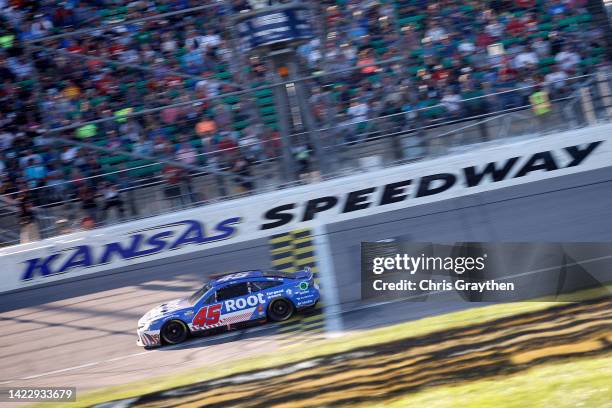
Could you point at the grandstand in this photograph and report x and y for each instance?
(149, 106)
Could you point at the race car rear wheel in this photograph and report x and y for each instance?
(174, 332)
(280, 309)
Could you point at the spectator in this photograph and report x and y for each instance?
(452, 103)
(540, 104)
(272, 144)
(302, 156)
(160, 146)
(69, 154)
(206, 127)
(210, 40)
(112, 199)
(227, 147)
(172, 189)
(567, 59)
(186, 154)
(55, 185)
(143, 147)
(242, 169)
(88, 223)
(35, 173)
(40, 26)
(556, 7)
(29, 158)
(358, 111)
(436, 32)
(555, 81)
(541, 46)
(87, 196)
(526, 59)
(171, 115)
(27, 221)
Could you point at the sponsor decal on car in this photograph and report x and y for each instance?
(207, 316)
(242, 303)
(275, 293)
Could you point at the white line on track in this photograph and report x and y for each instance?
(142, 353)
(63, 370)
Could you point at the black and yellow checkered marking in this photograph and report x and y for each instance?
(292, 252)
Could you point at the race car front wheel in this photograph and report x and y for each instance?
(174, 332)
(280, 309)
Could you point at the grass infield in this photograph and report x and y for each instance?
(584, 382)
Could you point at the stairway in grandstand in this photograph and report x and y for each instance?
(602, 19)
(264, 99)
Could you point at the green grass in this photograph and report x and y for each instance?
(581, 383)
(344, 343)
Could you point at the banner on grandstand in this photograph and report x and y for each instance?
(343, 199)
(274, 26)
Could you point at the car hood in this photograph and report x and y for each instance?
(165, 309)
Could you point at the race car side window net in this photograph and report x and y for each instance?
(232, 291)
(259, 286)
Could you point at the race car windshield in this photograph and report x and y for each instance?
(199, 293)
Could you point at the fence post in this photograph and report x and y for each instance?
(329, 285)
(604, 91)
(587, 105)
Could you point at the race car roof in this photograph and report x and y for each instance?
(224, 278)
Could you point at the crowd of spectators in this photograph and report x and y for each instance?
(51, 80)
(451, 54)
(446, 55)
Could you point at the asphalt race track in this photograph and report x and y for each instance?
(82, 333)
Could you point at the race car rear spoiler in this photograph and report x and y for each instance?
(306, 273)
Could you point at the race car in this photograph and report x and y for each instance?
(227, 302)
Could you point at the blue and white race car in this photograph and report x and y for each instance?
(229, 301)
